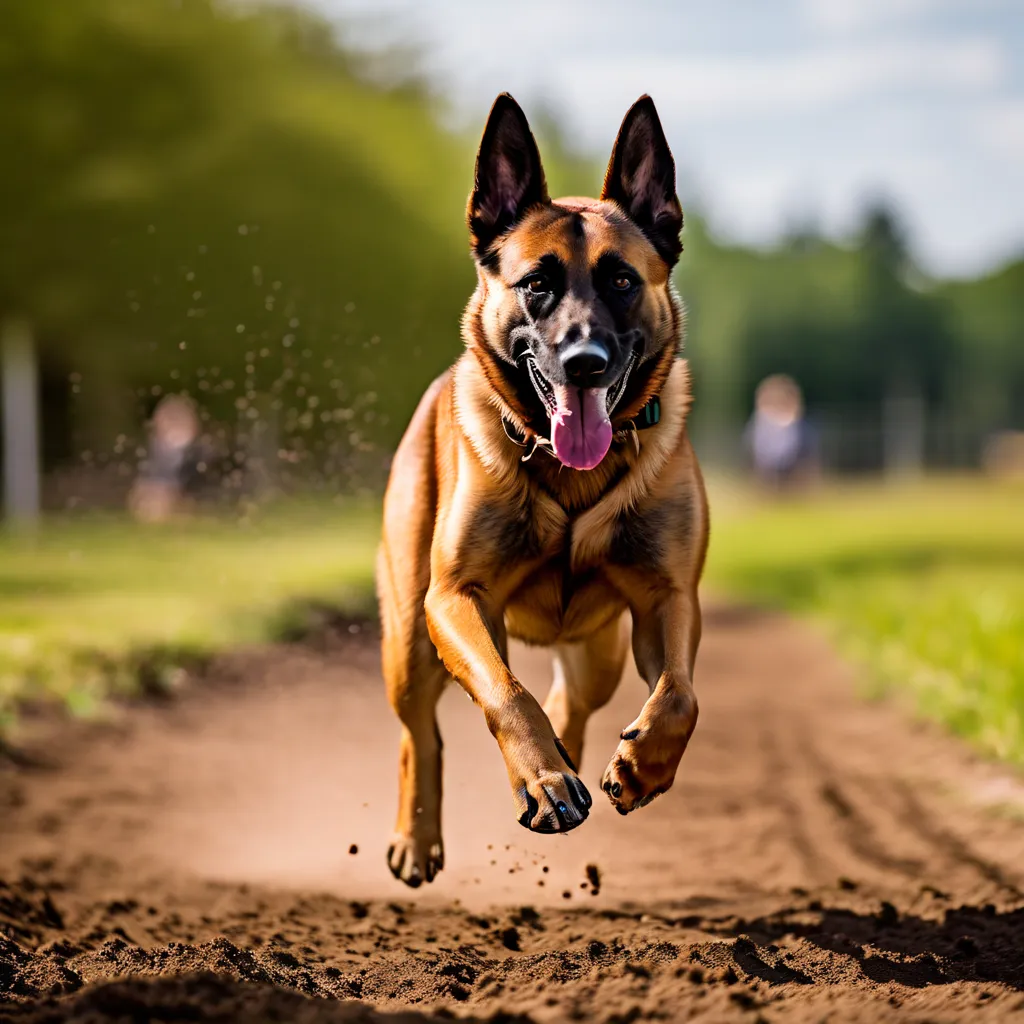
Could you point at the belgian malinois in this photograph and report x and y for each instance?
(546, 484)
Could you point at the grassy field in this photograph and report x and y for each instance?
(923, 584)
(96, 605)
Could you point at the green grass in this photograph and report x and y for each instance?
(922, 584)
(99, 605)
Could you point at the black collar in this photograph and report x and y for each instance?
(648, 416)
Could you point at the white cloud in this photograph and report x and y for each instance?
(843, 16)
(1000, 126)
(700, 88)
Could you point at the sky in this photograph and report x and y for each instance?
(782, 114)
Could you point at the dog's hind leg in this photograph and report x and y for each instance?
(415, 679)
(586, 675)
(413, 674)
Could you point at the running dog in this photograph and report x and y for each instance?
(545, 485)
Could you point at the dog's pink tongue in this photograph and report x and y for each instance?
(581, 431)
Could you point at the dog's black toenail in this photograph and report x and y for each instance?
(631, 735)
(582, 797)
(606, 785)
(565, 756)
(531, 809)
(616, 789)
(562, 809)
(622, 811)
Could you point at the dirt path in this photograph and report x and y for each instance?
(222, 858)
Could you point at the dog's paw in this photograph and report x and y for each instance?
(547, 792)
(630, 786)
(415, 861)
(552, 802)
(644, 763)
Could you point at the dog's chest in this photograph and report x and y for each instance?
(561, 601)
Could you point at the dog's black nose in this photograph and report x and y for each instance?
(584, 362)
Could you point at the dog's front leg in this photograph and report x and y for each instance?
(666, 632)
(469, 635)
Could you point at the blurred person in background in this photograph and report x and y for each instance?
(1003, 454)
(160, 491)
(779, 438)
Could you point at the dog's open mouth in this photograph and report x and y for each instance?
(581, 425)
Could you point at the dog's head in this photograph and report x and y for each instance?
(574, 319)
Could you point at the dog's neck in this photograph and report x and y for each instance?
(634, 460)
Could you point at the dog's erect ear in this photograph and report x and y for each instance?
(509, 178)
(641, 178)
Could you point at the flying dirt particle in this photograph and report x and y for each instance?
(583, 885)
(541, 883)
(545, 869)
(353, 849)
(594, 878)
(510, 939)
(566, 895)
(888, 915)
(847, 884)
(528, 916)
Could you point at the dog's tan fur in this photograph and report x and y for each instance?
(479, 545)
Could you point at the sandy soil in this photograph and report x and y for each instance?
(220, 857)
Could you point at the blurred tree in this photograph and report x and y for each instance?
(219, 199)
(858, 327)
(207, 198)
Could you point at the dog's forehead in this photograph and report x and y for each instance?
(577, 230)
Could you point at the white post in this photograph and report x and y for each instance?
(20, 422)
(904, 432)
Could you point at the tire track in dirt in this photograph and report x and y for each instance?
(220, 857)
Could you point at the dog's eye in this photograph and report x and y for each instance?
(622, 282)
(537, 284)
